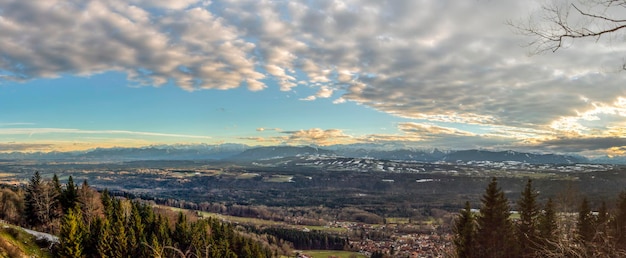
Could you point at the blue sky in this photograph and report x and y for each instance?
(77, 75)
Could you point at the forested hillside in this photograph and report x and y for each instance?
(93, 224)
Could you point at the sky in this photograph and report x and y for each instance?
(78, 75)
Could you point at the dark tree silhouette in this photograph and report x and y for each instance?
(495, 233)
(527, 225)
(465, 232)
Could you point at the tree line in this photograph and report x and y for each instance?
(305, 240)
(540, 230)
(93, 224)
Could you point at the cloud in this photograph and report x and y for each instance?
(34, 131)
(407, 58)
(263, 129)
(317, 136)
(429, 130)
(188, 46)
(313, 136)
(565, 144)
(19, 147)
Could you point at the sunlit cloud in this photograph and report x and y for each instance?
(36, 131)
(263, 129)
(409, 59)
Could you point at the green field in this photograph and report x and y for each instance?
(331, 253)
(397, 220)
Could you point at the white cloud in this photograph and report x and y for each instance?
(408, 58)
(34, 131)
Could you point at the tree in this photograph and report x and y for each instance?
(572, 20)
(465, 231)
(90, 203)
(547, 224)
(41, 203)
(32, 207)
(11, 205)
(585, 225)
(495, 232)
(57, 184)
(104, 244)
(602, 221)
(182, 233)
(619, 222)
(72, 234)
(69, 196)
(527, 225)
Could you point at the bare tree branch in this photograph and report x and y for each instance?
(555, 24)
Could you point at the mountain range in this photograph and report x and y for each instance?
(244, 153)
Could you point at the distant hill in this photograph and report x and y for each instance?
(400, 154)
(262, 153)
(239, 152)
(166, 152)
(483, 155)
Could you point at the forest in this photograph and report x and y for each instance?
(93, 224)
(539, 230)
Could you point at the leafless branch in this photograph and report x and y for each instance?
(554, 25)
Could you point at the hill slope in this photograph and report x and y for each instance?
(16, 242)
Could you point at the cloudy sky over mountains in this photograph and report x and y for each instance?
(446, 74)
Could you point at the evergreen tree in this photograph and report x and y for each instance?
(57, 185)
(182, 235)
(69, 196)
(602, 221)
(119, 231)
(547, 224)
(619, 223)
(107, 204)
(32, 203)
(585, 225)
(72, 234)
(495, 233)
(57, 192)
(137, 227)
(105, 240)
(93, 236)
(527, 225)
(464, 230)
(41, 205)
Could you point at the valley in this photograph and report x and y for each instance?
(398, 206)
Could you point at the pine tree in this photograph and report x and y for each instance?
(527, 225)
(72, 234)
(602, 221)
(40, 203)
(69, 196)
(137, 227)
(119, 231)
(619, 223)
(182, 235)
(57, 190)
(464, 230)
(585, 225)
(495, 233)
(57, 185)
(107, 204)
(91, 242)
(105, 240)
(547, 224)
(32, 203)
